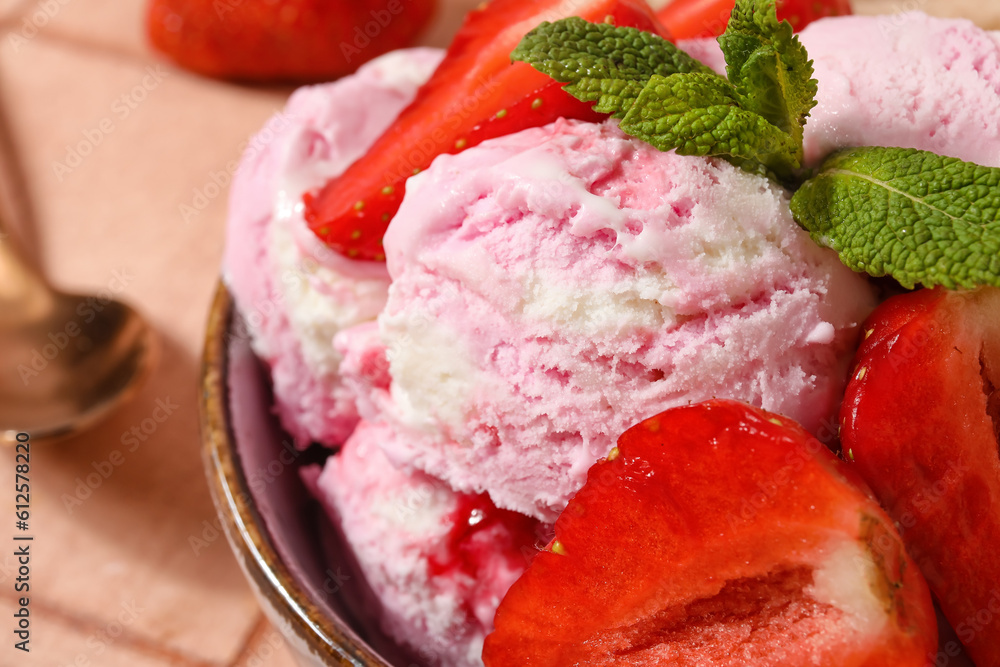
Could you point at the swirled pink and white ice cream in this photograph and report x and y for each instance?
(293, 292)
(453, 555)
(553, 287)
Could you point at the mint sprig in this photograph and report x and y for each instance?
(919, 217)
(916, 216)
(672, 101)
(769, 67)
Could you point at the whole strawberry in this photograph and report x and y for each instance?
(289, 40)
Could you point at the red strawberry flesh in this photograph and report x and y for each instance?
(719, 535)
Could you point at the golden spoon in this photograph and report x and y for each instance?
(65, 360)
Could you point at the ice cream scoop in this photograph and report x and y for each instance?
(552, 287)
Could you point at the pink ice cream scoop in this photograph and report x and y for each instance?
(295, 294)
(553, 287)
(438, 561)
(912, 81)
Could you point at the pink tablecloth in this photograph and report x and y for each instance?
(126, 162)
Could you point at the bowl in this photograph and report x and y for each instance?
(295, 560)
(292, 556)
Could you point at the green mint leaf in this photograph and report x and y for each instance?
(916, 216)
(613, 96)
(699, 114)
(598, 60)
(769, 67)
(679, 93)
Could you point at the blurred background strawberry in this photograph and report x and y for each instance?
(282, 40)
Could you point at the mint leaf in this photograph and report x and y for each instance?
(699, 114)
(916, 216)
(601, 62)
(769, 67)
(613, 96)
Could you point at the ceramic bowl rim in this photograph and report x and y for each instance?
(328, 638)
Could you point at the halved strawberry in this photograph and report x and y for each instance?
(475, 94)
(686, 19)
(297, 40)
(718, 534)
(921, 422)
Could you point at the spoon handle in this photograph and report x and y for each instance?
(23, 292)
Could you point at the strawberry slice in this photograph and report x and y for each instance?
(294, 40)
(921, 421)
(686, 19)
(475, 94)
(718, 534)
